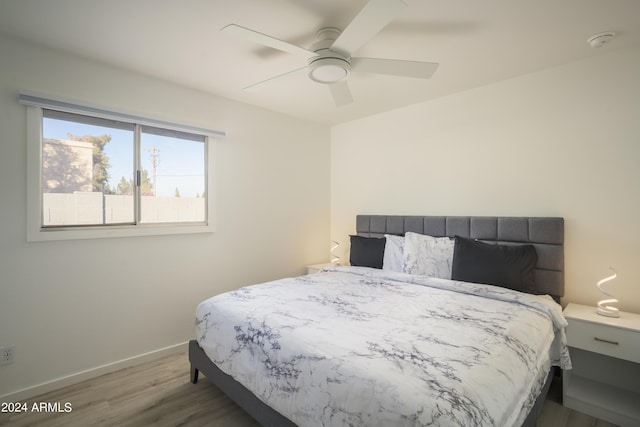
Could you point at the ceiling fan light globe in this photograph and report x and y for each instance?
(329, 70)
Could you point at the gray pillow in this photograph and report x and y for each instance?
(509, 266)
(366, 251)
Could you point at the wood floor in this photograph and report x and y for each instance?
(159, 394)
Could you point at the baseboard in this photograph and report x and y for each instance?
(29, 392)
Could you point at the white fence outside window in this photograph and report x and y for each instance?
(94, 208)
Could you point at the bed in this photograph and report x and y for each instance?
(364, 345)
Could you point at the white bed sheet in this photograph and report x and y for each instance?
(366, 347)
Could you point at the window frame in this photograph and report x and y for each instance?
(36, 231)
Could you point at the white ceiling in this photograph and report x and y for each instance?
(475, 42)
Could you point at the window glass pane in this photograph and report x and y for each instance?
(87, 170)
(173, 180)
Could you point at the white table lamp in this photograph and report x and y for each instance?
(603, 308)
(335, 259)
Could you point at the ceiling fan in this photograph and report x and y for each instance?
(329, 59)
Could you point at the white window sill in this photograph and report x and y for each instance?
(53, 234)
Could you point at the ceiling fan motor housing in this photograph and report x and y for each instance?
(329, 66)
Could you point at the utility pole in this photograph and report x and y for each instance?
(155, 154)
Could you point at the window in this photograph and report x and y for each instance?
(104, 174)
(85, 161)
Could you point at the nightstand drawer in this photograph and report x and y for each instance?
(604, 339)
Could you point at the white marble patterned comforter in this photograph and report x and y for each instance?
(363, 347)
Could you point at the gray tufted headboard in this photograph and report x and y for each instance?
(545, 233)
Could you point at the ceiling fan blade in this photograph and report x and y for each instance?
(341, 93)
(368, 22)
(263, 39)
(278, 77)
(394, 67)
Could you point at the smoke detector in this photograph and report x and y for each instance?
(601, 39)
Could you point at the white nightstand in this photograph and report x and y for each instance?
(605, 353)
(317, 268)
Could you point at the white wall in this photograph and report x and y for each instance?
(560, 142)
(71, 306)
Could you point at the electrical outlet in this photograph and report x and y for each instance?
(7, 353)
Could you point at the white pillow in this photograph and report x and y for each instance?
(393, 259)
(428, 255)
